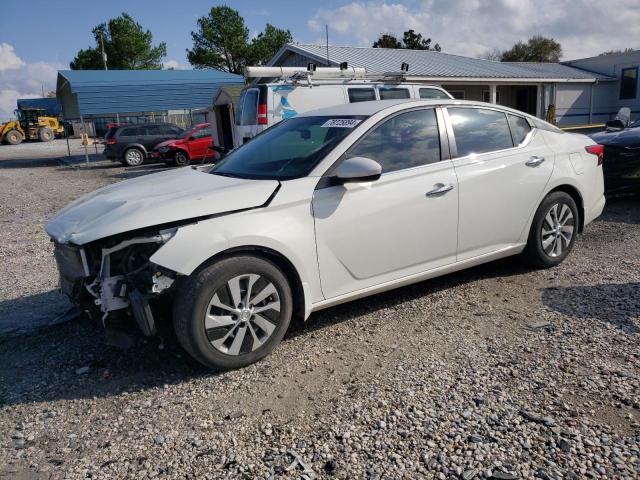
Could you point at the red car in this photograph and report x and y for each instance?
(194, 144)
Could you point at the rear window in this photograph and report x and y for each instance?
(249, 114)
(110, 133)
(432, 93)
(393, 93)
(361, 94)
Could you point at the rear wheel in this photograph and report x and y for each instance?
(181, 158)
(13, 137)
(553, 231)
(133, 157)
(234, 312)
(45, 134)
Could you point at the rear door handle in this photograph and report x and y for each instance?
(534, 161)
(440, 189)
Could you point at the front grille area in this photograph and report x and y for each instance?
(70, 267)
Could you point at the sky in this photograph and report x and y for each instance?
(32, 52)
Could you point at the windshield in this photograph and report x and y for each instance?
(289, 149)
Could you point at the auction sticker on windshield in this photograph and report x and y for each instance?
(341, 123)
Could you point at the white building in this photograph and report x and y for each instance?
(583, 91)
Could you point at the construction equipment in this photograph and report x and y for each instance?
(31, 124)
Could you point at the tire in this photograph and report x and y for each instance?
(45, 134)
(133, 157)
(13, 137)
(181, 158)
(235, 337)
(553, 231)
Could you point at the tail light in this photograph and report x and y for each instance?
(596, 150)
(262, 114)
(110, 141)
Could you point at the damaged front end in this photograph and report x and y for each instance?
(113, 277)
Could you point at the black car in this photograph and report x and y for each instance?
(131, 144)
(621, 167)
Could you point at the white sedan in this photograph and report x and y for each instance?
(320, 209)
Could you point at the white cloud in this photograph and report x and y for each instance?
(23, 80)
(176, 65)
(8, 58)
(473, 27)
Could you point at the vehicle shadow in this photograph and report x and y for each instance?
(53, 355)
(622, 209)
(614, 303)
(28, 162)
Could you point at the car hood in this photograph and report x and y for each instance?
(172, 196)
(629, 137)
(166, 143)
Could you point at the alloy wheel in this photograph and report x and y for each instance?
(557, 230)
(242, 314)
(134, 157)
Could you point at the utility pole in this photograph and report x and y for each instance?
(104, 55)
(326, 29)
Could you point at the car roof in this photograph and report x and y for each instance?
(375, 106)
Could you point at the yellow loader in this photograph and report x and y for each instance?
(31, 124)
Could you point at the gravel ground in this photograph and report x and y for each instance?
(496, 372)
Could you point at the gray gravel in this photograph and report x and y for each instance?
(496, 372)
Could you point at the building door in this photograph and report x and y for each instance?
(526, 98)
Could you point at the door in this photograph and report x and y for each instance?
(402, 224)
(502, 168)
(200, 144)
(151, 136)
(247, 115)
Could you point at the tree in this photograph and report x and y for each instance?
(267, 44)
(387, 40)
(410, 40)
(537, 49)
(222, 42)
(613, 52)
(414, 41)
(126, 44)
(494, 55)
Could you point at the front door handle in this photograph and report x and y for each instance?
(440, 189)
(534, 161)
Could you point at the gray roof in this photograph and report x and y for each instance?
(433, 64)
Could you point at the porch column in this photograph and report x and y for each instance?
(539, 101)
(493, 94)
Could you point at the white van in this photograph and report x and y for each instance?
(265, 104)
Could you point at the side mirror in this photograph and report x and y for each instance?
(614, 125)
(358, 169)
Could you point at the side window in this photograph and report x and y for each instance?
(479, 130)
(407, 140)
(392, 93)
(204, 132)
(175, 131)
(250, 108)
(519, 128)
(432, 93)
(361, 94)
(130, 132)
(152, 130)
(629, 83)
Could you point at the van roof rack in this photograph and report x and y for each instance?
(322, 75)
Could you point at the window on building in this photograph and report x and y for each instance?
(486, 96)
(479, 130)
(432, 93)
(361, 94)
(520, 128)
(407, 140)
(393, 93)
(629, 83)
(457, 94)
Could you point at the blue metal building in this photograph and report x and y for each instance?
(131, 96)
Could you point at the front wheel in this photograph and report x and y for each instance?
(553, 231)
(233, 312)
(181, 158)
(13, 137)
